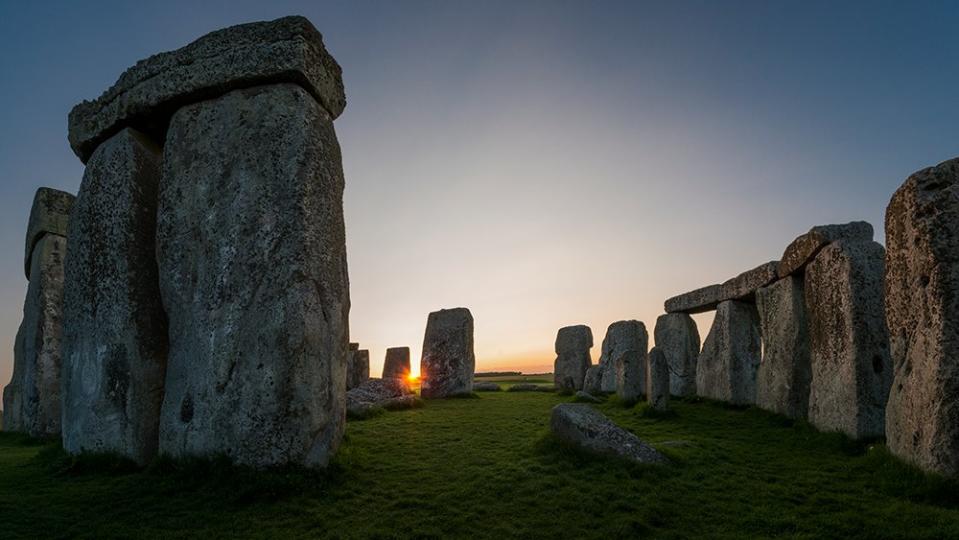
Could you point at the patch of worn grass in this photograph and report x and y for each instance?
(488, 468)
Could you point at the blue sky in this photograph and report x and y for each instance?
(543, 163)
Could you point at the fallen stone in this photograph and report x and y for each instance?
(115, 332)
(252, 263)
(849, 345)
(803, 249)
(622, 336)
(572, 357)
(582, 396)
(357, 368)
(485, 386)
(657, 378)
(726, 370)
(525, 387)
(447, 363)
(397, 363)
(782, 380)
(363, 409)
(922, 310)
(581, 426)
(146, 96)
(677, 337)
(50, 214)
(741, 287)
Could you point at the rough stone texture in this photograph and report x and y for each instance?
(397, 363)
(376, 393)
(354, 346)
(726, 369)
(657, 377)
(741, 287)
(677, 337)
(922, 310)
(586, 397)
(50, 213)
(447, 363)
(631, 374)
(803, 249)
(32, 399)
(782, 380)
(593, 382)
(357, 368)
(359, 410)
(252, 258)
(286, 50)
(572, 357)
(622, 336)
(580, 425)
(530, 387)
(849, 345)
(115, 332)
(486, 386)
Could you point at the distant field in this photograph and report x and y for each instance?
(486, 468)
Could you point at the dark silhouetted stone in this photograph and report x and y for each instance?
(677, 337)
(572, 357)
(448, 362)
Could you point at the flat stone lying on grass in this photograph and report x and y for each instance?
(362, 409)
(572, 357)
(803, 249)
(378, 393)
(448, 361)
(580, 425)
(741, 287)
(486, 386)
(530, 387)
(585, 397)
(726, 370)
(678, 338)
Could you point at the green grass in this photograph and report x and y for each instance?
(487, 468)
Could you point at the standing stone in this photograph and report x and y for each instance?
(593, 382)
(397, 363)
(631, 375)
(657, 393)
(354, 346)
(447, 363)
(252, 257)
(782, 382)
(922, 310)
(677, 337)
(851, 368)
(622, 336)
(726, 369)
(115, 332)
(31, 402)
(357, 368)
(572, 357)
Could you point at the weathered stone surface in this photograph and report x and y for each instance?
(378, 393)
(622, 336)
(741, 287)
(849, 345)
(593, 382)
(32, 400)
(50, 213)
(357, 368)
(580, 425)
(286, 50)
(360, 409)
(631, 374)
(397, 363)
(726, 369)
(572, 357)
(252, 258)
(354, 346)
(582, 396)
(803, 249)
(447, 363)
(782, 380)
(922, 310)
(530, 387)
(485, 386)
(657, 378)
(677, 337)
(115, 332)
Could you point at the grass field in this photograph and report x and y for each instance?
(487, 468)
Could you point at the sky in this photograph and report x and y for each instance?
(541, 163)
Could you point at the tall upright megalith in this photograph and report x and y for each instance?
(782, 380)
(31, 402)
(448, 361)
(115, 332)
(572, 357)
(922, 311)
(396, 365)
(849, 346)
(657, 380)
(622, 336)
(357, 368)
(677, 338)
(726, 369)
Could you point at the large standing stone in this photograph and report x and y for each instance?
(357, 368)
(782, 381)
(803, 249)
(252, 258)
(286, 50)
(622, 336)
(572, 357)
(657, 379)
(447, 363)
(397, 363)
(677, 337)
(31, 402)
(851, 369)
(582, 426)
(115, 332)
(922, 310)
(726, 369)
